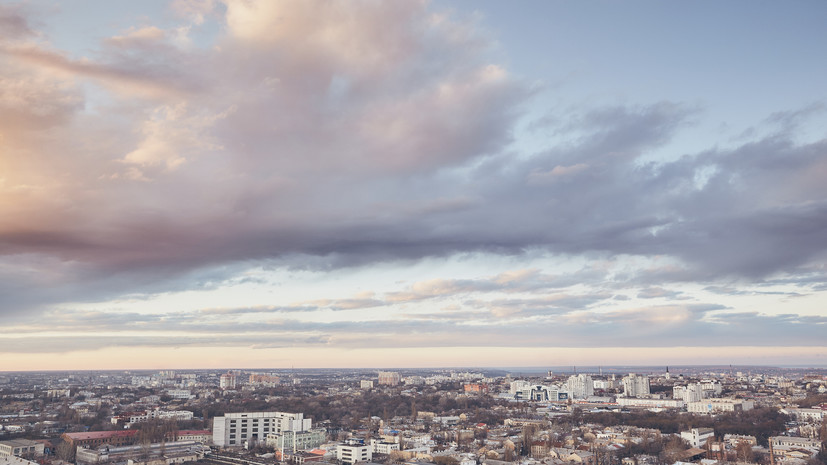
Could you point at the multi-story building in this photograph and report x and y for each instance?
(234, 429)
(720, 405)
(697, 437)
(296, 440)
(183, 394)
(264, 380)
(227, 381)
(168, 453)
(353, 451)
(689, 393)
(635, 386)
(383, 447)
(389, 378)
(580, 386)
(366, 384)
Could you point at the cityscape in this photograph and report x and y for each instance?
(587, 416)
(413, 232)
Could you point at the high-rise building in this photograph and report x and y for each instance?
(580, 386)
(227, 381)
(635, 386)
(234, 429)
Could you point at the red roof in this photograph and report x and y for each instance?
(100, 434)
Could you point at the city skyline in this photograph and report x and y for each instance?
(323, 184)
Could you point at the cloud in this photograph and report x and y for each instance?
(312, 135)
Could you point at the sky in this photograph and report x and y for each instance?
(276, 184)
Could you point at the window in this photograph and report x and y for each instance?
(232, 430)
(255, 430)
(232, 436)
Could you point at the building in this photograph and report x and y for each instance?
(697, 437)
(635, 386)
(650, 403)
(157, 454)
(21, 447)
(791, 449)
(227, 381)
(234, 429)
(383, 447)
(539, 393)
(689, 393)
(201, 436)
(264, 380)
(720, 405)
(100, 438)
(389, 378)
(353, 451)
(293, 441)
(366, 384)
(182, 394)
(13, 460)
(476, 387)
(580, 386)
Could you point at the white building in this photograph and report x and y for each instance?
(366, 384)
(297, 440)
(649, 403)
(635, 386)
(580, 386)
(179, 393)
(383, 447)
(689, 393)
(353, 451)
(697, 437)
(518, 385)
(720, 405)
(234, 429)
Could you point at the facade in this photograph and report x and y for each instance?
(580, 386)
(297, 440)
(100, 438)
(389, 378)
(353, 451)
(162, 453)
(720, 405)
(20, 447)
(366, 384)
(264, 380)
(234, 429)
(689, 393)
(649, 403)
(475, 387)
(635, 386)
(382, 447)
(227, 381)
(697, 437)
(202, 436)
(539, 393)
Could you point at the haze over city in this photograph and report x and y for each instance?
(220, 184)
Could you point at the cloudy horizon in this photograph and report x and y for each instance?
(200, 183)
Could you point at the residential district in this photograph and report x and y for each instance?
(700, 415)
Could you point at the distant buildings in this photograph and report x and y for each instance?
(366, 384)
